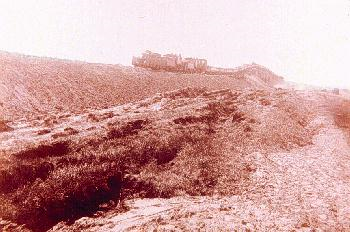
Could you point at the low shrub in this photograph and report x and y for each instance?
(66, 132)
(220, 108)
(127, 129)
(50, 121)
(265, 102)
(107, 115)
(43, 131)
(185, 93)
(20, 175)
(93, 118)
(138, 159)
(341, 114)
(57, 148)
(68, 193)
(238, 117)
(4, 127)
(71, 131)
(195, 171)
(194, 119)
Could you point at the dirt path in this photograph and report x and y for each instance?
(309, 187)
(306, 189)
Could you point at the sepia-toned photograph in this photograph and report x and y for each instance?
(174, 115)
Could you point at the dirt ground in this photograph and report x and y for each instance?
(305, 189)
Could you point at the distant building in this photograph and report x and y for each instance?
(170, 62)
(336, 91)
(175, 63)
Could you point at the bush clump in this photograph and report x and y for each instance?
(58, 148)
(4, 127)
(20, 175)
(167, 157)
(67, 194)
(130, 128)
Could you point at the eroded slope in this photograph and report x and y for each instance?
(185, 142)
(30, 86)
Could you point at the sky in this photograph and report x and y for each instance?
(306, 41)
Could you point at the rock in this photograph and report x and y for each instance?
(8, 226)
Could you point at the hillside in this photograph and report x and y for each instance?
(222, 149)
(30, 86)
(96, 147)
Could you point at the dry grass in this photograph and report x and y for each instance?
(342, 114)
(197, 145)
